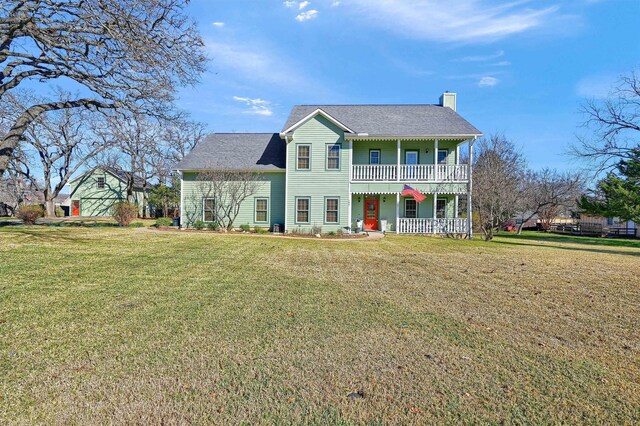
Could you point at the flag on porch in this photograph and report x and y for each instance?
(417, 195)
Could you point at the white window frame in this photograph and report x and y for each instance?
(379, 156)
(204, 209)
(266, 210)
(328, 149)
(337, 210)
(104, 182)
(446, 156)
(405, 208)
(308, 210)
(308, 157)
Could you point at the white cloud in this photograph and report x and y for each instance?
(488, 81)
(303, 4)
(481, 58)
(305, 16)
(256, 106)
(335, 3)
(290, 4)
(469, 21)
(218, 24)
(256, 62)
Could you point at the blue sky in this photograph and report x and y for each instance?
(521, 68)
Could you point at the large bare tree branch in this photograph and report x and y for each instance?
(130, 55)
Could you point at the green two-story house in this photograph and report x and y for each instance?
(343, 167)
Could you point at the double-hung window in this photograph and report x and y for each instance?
(331, 210)
(441, 208)
(333, 157)
(410, 208)
(209, 210)
(442, 156)
(303, 157)
(101, 182)
(302, 210)
(262, 209)
(374, 156)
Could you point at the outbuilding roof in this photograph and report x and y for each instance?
(237, 151)
(389, 120)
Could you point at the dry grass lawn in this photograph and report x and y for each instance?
(124, 326)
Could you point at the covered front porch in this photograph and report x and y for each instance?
(392, 212)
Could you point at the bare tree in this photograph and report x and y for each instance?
(16, 185)
(613, 124)
(547, 192)
(61, 142)
(123, 54)
(182, 136)
(134, 138)
(228, 188)
(498, 171)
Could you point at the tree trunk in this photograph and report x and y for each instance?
(520, 227)
(50, 208)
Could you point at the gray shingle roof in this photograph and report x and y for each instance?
(237, 151)
(391, 120)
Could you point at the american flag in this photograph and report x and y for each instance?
(417, 195)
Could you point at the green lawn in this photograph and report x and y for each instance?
(108, 325)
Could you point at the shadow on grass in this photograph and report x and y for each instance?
(569, 248)
(54, 236)
(573, 239)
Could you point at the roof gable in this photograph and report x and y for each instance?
(318, 111)
(388, 120)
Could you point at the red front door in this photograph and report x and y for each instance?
(75, 208)
(371, 215)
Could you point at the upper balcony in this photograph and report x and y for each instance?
(410, 173)
(405, 161)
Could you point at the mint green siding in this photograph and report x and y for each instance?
(271, 187)
(389, 151)
(387, 208)
(98, 202)
(318, 182)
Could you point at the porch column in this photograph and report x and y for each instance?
(455, 206)
(469, 188)
(436, 172)
(435, 206)
(397, 212)
(398, 161)
(349, 218)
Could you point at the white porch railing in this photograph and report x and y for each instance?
(411, 173)
(432, 226)
(379, 172)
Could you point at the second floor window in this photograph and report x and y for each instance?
(209, 210)
(442, 156)
(333, 157)
(374, 156)
(304, 157)
(101, 182)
